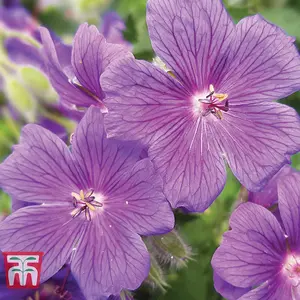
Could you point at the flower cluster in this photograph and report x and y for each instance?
(152, 137)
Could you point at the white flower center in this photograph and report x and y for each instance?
(291, 269)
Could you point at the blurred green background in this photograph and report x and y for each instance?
(201, 232)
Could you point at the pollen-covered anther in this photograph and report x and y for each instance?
(84, 202)
(211, 103)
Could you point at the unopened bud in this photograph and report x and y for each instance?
(169, 249)
(156, 278)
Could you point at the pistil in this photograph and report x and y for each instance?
(211, 104)
(84, 202)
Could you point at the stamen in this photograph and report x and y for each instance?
(76, 196)
(90, 206)
(210, 105)
(221, 97)
(81, 194)
(84, 202)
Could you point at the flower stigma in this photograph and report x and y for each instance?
(212, 103)
(291, 268)
(86, 203)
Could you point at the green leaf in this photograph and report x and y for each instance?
(56, 20)
(16, 270)
(29, 270)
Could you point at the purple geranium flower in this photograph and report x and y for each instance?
(112, 27)
(260, 253)
(95, 202)
(75, 71)
(212, 103)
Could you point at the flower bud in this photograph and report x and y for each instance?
(156, 278)
(169, 249)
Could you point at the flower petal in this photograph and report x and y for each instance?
(257, 139)
(102, 160)
(137, 201)
(191, 36)
(110, 258)
(143, 101)
(253, 250)
(23, 53)
(152, 106)
(227, 290)
(40, 169)
(91, 55)
(289, 207)
(264, 63)
(42, 228)
(112, 27)
(68, 93)
(268, 196)
(190, 163)
(277, 288)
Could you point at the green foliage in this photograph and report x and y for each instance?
(57, 20)
(287, 18)
(21, 99)
(38, 84)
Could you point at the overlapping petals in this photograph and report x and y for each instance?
(75, 73)
(252, 252)
(258, 252)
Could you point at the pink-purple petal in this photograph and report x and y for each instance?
(264, 63)
(149, 104)
(110, 258)
(257, 139)
(253, 251)
(276, 288)
(192, 37)
(137, 201)
(40, 169)
(268, 196)
(59, 76)
(190, 163)
(228, 291)
(289, 207)
(102, 160)
(91, 55)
